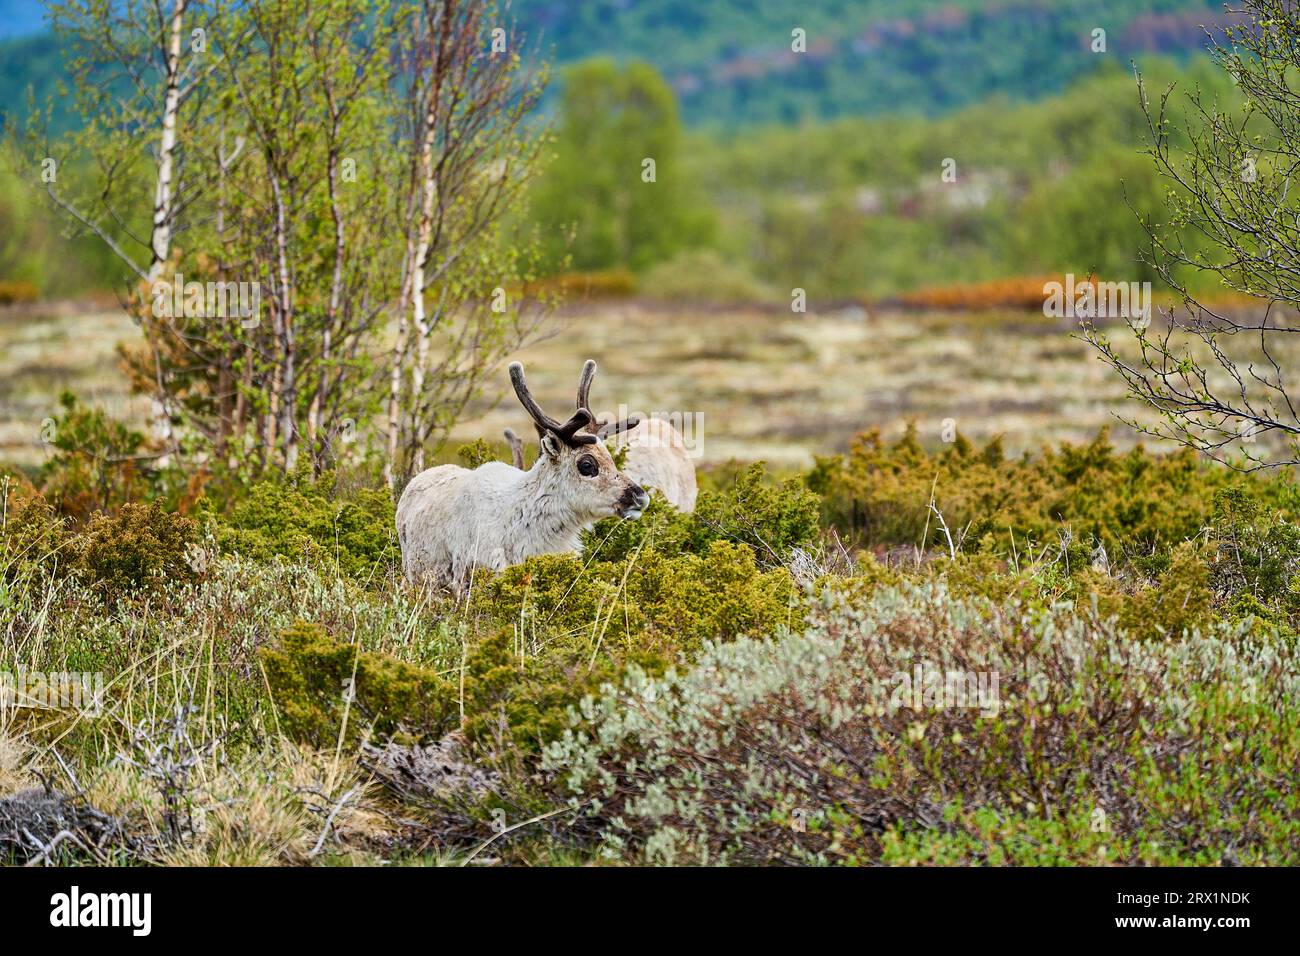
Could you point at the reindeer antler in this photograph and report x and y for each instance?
(599, 429)
(584, 383)
(571, 431)
(516, 448)
(605, 429)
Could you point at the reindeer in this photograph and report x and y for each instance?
(516, 448)
(656, 458)
(451, 520)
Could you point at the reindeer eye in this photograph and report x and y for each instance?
(587, 467)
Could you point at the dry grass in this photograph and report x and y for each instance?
(771, 384)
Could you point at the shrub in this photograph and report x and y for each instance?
(703, 276)
(1256, 554)
(317, 682)
(1132, 504)
(95, 463)
(985, 837)
(1177, 602)
(600, 284)
(650, 600)
(1021, 292)
(771, 519)
(475, 453)
(495, 696)
(11, 292)
(142, 546)
(32, 535)
(305, 520)
(524, 701)
(879, 732)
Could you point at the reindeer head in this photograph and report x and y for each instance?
(579, 467)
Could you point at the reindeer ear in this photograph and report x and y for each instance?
(550, 446)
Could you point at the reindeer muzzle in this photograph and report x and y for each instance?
(632, 502)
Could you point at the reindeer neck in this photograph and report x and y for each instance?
(540, 506)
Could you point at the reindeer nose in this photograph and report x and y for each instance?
(633, 501)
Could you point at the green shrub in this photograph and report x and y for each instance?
(317, 682)
(33, 538)
(1177, 602)
(1256, 554)
(495, 695)
(140, 547)
(96, 462)
(649, 600)
(305, 520)
(985, 837)
(704, 276)
(1132, 504)
(528, 701)
(771, 519)
(475, 453)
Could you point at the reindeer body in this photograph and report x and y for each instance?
(491, 517)
(656, 458)
(451, 520)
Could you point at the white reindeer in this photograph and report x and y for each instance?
(656, 458)
(451, 520)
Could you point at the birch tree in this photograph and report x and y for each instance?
(352, 162)
(1215, 376)
(136, 65)
(470, 161)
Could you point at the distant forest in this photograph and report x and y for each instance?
(730, 62)
(824, 177)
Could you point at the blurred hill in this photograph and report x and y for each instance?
(730, 61)
(775, 172)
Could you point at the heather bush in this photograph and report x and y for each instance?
(877, 732)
